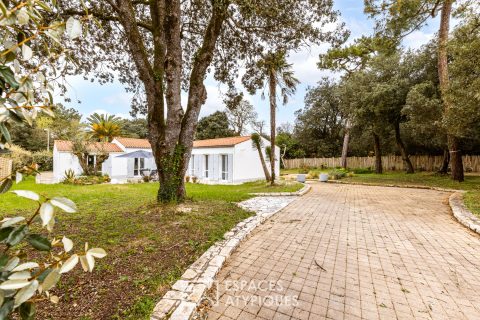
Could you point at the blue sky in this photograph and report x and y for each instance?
(113, 99)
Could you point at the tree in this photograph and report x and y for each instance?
(84, 145)
(104, 127)
(214, 126)
(63, 126)
(463, 118)
(173, 42)
(319, 126)
(257, 143)
(271, 71)
(397, 18)
(134, 128)
(240, 113)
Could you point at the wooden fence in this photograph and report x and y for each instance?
(423, 163)
(5, 167)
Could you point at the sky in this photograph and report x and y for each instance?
(113, 99)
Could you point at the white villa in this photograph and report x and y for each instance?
(231, 160)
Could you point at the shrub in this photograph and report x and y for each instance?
(44, 159)
(337, 174)
(70, 178)
(20, 157)
(363, 170)
(146, 178)
(187, 179)
(313, 175)
(194, 179)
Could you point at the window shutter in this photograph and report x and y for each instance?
(230, 168)
(198, 166)
(215, 167)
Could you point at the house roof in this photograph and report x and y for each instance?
(63, 145)
(134, 143)
(220, 142)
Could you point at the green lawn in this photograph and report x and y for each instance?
(149, 246)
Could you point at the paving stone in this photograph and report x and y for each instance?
(184, 311)
(357, 252)
(189, 274)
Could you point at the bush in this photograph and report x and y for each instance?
(146, 178)
(84, 180)
(44, 159)
(337, 174)
(187, 179)
(194, 179)
(312, 175)
(363, 170)
(20, 157)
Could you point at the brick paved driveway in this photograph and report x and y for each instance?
(355, 252)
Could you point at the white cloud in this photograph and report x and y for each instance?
(417, 39)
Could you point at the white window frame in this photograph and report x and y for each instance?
(224, 167)
(138, 166)
(207, 169)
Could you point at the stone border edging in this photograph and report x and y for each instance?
(455, 200)
(462, 214)
(181, 301)
(298, 193)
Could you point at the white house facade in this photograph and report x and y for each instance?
(230, 160)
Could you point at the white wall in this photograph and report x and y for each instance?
(63, 161)
(247, 164)
(122, 168)
(197, 166)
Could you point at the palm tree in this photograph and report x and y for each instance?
(104, 127)
(257, 144)
(277, 72)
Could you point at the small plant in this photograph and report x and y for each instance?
(69, 177)
(312, 175)
(187, 179)
(194, 179)
(146, 178)
(337, 174)
(304, 169)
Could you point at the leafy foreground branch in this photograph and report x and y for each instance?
(24, 282)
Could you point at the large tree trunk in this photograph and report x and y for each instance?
(378, 154)
(171, 137)
(446, 160)
(403, 150)
(453, 141)
(346, 140)
(273, 109)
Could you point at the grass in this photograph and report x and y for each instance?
(149, 246)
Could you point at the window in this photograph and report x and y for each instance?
(91, 160)
(138, 166)
(206, 166)
(224, 167)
